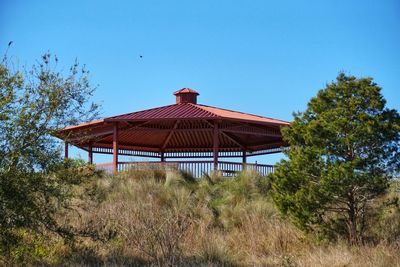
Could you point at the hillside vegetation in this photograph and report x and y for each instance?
(157, 217)
(332, 202)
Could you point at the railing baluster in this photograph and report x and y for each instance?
(196, 168)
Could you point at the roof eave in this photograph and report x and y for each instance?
(283, 123)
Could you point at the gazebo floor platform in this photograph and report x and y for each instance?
(196, 168)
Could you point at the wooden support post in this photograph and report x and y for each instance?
(244, 160)
(115, 148)
(66, 150)
(215, 145)
(162, 156)
(90, 154)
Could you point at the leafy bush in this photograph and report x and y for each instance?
(344, 151)
(35, 182)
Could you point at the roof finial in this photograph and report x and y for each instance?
(186, 95)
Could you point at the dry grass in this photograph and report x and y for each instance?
(343, 255)
(149, 217)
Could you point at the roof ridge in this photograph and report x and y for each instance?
(230, 110)
(198, 106)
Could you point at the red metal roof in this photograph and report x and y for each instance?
(230, 114)
(193, 111)
(90, 123)
(175, 111)
(184, 126)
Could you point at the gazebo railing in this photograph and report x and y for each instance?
(196, 168)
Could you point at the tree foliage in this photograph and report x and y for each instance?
(34, 180)
(343, 151)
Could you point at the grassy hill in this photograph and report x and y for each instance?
(157, 218)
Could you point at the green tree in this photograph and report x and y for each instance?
(343, 151)
(34, 180)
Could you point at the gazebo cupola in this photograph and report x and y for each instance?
(184, 130)
(186, 95)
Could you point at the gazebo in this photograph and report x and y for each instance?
(182, 135)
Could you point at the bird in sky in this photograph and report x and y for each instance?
(140, 56)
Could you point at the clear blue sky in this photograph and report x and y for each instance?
(262, 57)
